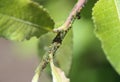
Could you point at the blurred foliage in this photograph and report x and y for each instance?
(27, 48)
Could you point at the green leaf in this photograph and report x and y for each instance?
(106, 16)
(57, 73)
(54, 7)
(23, 19)
(63, 56)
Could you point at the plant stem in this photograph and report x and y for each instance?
(57, 41)
(73, 15)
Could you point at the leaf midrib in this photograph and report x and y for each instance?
(25, 22)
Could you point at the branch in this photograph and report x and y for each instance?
(57, 41)
(73, 15)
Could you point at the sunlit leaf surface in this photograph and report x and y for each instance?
(106, 16)
(22, 19)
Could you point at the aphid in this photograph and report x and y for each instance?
(57, 38)
(78, 16)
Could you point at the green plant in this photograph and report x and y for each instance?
(25, 19)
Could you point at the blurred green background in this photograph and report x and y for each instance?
(89, 63)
